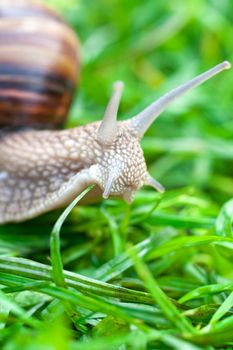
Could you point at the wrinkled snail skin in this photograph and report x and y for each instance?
(41, 170)
(44, 170)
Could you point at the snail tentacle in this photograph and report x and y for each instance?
(108, 128)
(141, 122)
(109, 183)
(150, 181)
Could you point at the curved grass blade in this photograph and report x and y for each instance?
(168, 308)
(19, 312)
(56, 260)
(224, 220)
(206, 290)
(223, 309)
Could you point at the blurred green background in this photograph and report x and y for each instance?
(153, 46)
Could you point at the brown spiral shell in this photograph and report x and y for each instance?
(39, 65)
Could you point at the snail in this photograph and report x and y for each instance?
(42, 170)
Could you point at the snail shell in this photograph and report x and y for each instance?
(39, 65)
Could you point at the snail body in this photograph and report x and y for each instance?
(41, 170)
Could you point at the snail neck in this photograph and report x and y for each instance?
(41, 170)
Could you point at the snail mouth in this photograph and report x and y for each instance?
(128, 195)
(111, 183)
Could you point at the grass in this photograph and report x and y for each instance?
(156, 274)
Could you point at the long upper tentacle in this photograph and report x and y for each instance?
(141, 122)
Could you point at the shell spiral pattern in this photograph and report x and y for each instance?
(39, 65)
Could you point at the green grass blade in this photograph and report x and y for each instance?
(206, 290)
(225, 219)
(19, 312)
(56, 260)
(172, 313)
(223, 309)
